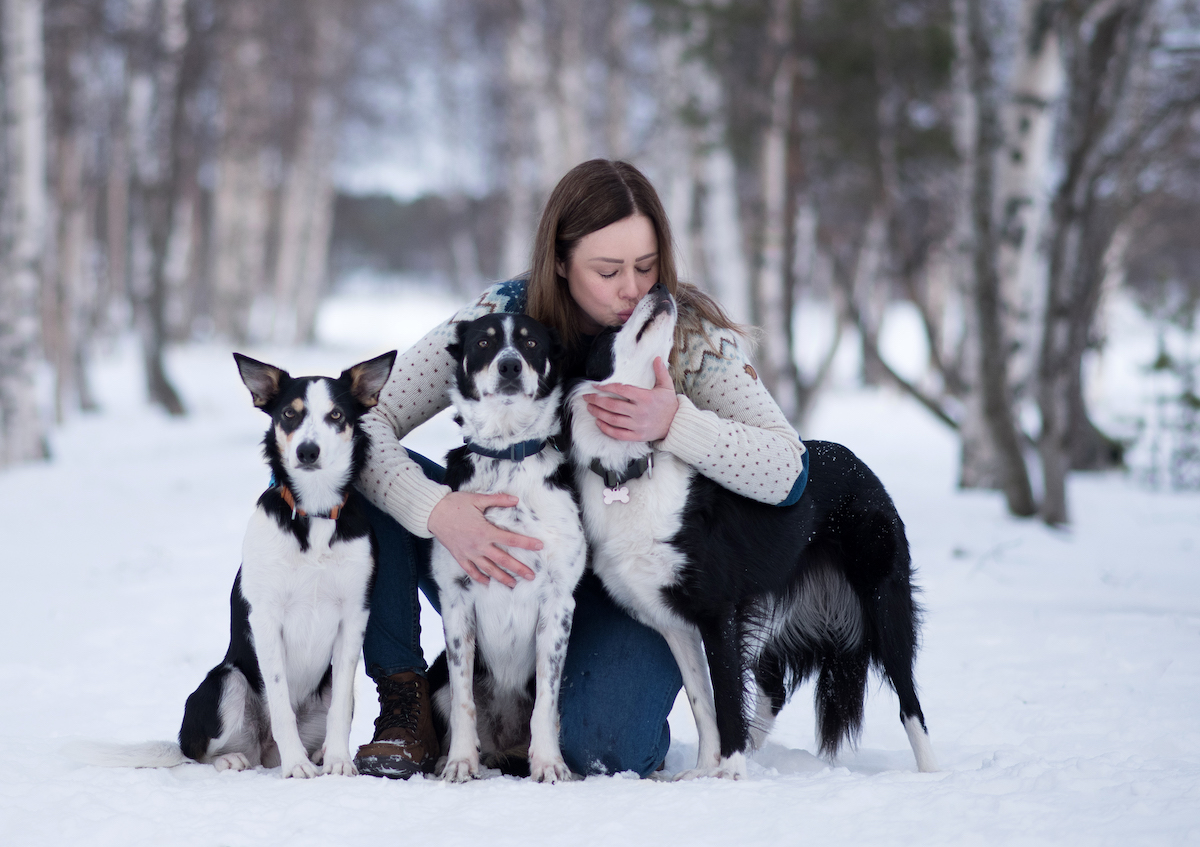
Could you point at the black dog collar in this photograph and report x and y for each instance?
(514, 452)
(633, 470)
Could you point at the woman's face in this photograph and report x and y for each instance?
(610, 270)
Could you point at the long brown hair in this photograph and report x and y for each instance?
(590, 197)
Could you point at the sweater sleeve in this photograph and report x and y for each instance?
(414, 393)
(728, 427)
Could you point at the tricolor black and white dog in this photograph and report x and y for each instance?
(764, 595)
(284, 693)
(505, 647)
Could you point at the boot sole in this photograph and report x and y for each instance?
(391, 767)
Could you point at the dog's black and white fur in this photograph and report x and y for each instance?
(764, 595)
(284, 693)
(505, 647)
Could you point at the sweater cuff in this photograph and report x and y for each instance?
(693, 433)
(412, 505)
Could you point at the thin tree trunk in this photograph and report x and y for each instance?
(1103, 45)
(776, 365)
(995, 394)
(155, 114)
(241, 205)
(306, 213)
(616, 118)
(1023, 181)
(22, 435)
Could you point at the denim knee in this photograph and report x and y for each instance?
(619, 684)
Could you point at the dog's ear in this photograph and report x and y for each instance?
(368, 378)
(263, 380)
(455, 348)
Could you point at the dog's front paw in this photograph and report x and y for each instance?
(730, 767)
(461, 770)
(552, 770)
(303, 769)
(231, 762)
(340, 767)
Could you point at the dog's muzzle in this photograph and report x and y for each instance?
(508, 372)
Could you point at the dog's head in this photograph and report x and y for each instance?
(623, 354)
(314, 441)
(626, 353)
(507, 376)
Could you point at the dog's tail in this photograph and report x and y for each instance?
(148, 754)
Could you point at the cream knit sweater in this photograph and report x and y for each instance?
(728, 426)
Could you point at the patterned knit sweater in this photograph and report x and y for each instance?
(728, 427)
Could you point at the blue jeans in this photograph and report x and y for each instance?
(619, 680)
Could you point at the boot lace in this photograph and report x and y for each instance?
(399, 705)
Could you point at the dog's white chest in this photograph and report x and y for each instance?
(303, 594)
(630, 538)
(507, 618)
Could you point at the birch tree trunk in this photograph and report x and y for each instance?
(571, 90)
(22, 435)
(306, 212)
(532, 157)
(69, 297)
(616, 117)
(155, 114)
(774, 277)
(1023, 181)
(995, 396)
(1103, 44)
(241, 202)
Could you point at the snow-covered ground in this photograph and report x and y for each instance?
(1060, 673)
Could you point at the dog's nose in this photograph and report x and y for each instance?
(509, 368)
(308, 453)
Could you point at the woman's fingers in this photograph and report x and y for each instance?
(458, 522)
(636, 414)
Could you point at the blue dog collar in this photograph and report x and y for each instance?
(514, 452)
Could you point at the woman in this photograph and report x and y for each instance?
(603, 241)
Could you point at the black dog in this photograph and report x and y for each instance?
(760, 593)
(284, 693)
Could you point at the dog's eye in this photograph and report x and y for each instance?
(289, 413)
(484, 343)
(530, 343)
(336, 415)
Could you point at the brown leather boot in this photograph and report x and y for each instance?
(405, 742)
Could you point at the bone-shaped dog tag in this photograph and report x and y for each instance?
(616, 495)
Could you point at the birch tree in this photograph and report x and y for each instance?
(306, 201)
(1122, 97)
(22, 433)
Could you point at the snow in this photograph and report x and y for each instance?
(1060, 672)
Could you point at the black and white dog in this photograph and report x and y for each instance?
(764, 595)
(284, 693)
(505, 647)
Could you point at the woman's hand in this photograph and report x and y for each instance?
(458, 522)
(636, 414)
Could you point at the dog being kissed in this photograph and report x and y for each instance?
(764, 595)
(505, 647)
(284, 693)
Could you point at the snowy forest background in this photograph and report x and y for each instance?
(198, 169)
(968, 231)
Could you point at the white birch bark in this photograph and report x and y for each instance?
(1024, 182)
(22, 433)
(572, 90)
(616, 82)
(775, 359)
(241, 201)
(978, 457)
(306, 212)
(531, 157)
